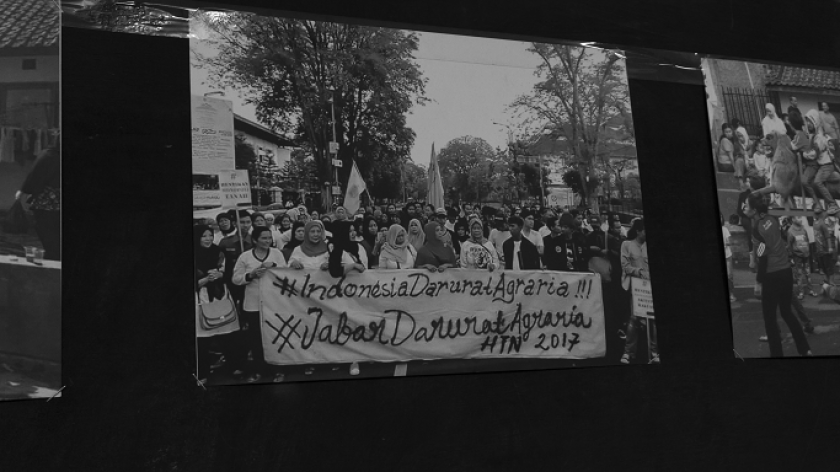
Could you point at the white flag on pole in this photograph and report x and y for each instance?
(355, 187)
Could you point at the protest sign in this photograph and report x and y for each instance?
(642, 297)
(212, 135)
(310, 317)
(235, 188)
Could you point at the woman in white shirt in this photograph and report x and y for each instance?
(313, 253)
(250, 267)
(477, 252)
(397, 252)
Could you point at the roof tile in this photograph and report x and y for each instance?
(802, 77)
(28, 24)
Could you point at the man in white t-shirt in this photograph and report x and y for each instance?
(528, 231)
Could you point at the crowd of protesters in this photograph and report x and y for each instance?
(240, 247)
(790, 248)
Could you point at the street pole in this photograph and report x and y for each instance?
(335, 140)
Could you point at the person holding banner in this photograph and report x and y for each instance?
(634, 263)
(436, 255)
(519, 252)
(346, 255)
(477, 252)
(298, 236)
(313, 253)
(397, 252)
(416, 236)
(250, 267)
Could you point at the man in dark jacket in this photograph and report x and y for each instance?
(565, 248)
(519, 252)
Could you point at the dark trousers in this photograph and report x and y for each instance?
(827, 266)
(777, 293)
(48, 228)
(251, 336)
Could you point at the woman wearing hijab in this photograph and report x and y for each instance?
(477, 252)
(298, 236)
(436, 254)
(416, 236)
(345, 255)
(250, 267)
(771, 122)
(209, 287)
(313, 252)
(357, 235)
(397, 252)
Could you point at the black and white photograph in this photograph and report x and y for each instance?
(30, 200)
(374, 202)
(775, 139)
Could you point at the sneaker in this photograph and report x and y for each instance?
(354, 368)
(625, 359)
(253, 378)
(278, 377)
(809, 353)
(654, 359)
(814, 294)
(763, 338)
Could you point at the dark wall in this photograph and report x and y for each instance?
(130, 402)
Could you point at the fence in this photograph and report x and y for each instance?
(748, 106)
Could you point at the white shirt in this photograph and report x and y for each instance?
(498, 238)
(248, 262)
(478, 256)
(544, 231)
(535, 238)
(385, 263)
(515, 256)
(317, 261)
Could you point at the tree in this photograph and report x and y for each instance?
(460, 162)
(584, 98)
(416, 181)
(299, 72)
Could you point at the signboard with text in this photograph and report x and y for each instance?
(212, 135)
(235, 188)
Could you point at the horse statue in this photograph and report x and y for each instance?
(785, 178)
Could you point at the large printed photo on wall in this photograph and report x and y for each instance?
(775, 132)
(377, 202)
(30, 200)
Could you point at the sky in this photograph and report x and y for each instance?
(471, 82)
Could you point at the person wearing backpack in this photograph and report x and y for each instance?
(800, 252)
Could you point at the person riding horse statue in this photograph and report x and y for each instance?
(820, 175)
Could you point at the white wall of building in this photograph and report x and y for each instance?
(46, 69)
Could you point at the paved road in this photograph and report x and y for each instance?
(748, 322)
(25, 378)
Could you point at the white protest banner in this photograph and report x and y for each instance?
(235, 188)
(212, 135)
(642, 297)
(399, 315)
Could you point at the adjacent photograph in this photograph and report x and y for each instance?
(373, 202)
(775, 139)
(30, 200)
